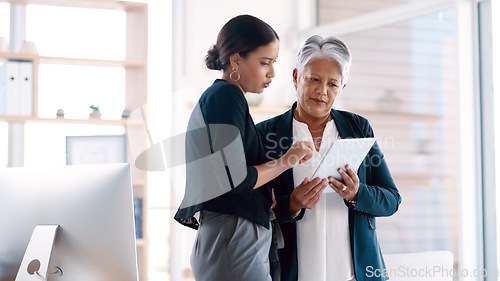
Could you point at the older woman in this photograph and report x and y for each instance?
(335, 239)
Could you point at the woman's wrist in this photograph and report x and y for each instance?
(294, 208)
(296, 214)
(284, 161)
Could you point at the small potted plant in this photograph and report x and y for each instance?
(60, 113)
(95, 112)
(126, 113)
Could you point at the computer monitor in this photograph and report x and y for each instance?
(93, 206)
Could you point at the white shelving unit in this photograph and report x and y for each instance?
(135, 65)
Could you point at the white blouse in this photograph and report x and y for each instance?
(324, 251)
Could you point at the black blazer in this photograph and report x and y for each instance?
(218, 123)
(377, 196)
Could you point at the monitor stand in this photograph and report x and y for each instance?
(35, 263)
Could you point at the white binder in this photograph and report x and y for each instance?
(3, 79)
(25, 88)
(11, 88)
(16, 88)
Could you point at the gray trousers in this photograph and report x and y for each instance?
(230, 248)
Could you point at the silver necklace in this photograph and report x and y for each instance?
(317, 131)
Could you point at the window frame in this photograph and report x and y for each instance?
(483, 20)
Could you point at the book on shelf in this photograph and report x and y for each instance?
(138, 217)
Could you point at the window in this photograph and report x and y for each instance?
(402, 80)
(336, 10)
(4, 20)
(489, 119)
(76, 32)
(75, 88)
(86, 33)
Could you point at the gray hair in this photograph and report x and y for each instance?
(328, 48)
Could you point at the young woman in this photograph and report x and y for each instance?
(226, 172)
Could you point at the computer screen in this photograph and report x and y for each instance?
(93, 206)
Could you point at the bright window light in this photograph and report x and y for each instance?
(4, 20)
(75, 88)
(76, 32)
(404, 75)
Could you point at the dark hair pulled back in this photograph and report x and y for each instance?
(242, 34)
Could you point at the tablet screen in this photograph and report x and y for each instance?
(341, 153)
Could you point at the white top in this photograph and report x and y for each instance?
(324, 251)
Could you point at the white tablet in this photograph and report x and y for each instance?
(341, 153)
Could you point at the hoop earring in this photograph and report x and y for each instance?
(231, 75)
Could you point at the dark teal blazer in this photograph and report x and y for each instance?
(377, 196)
